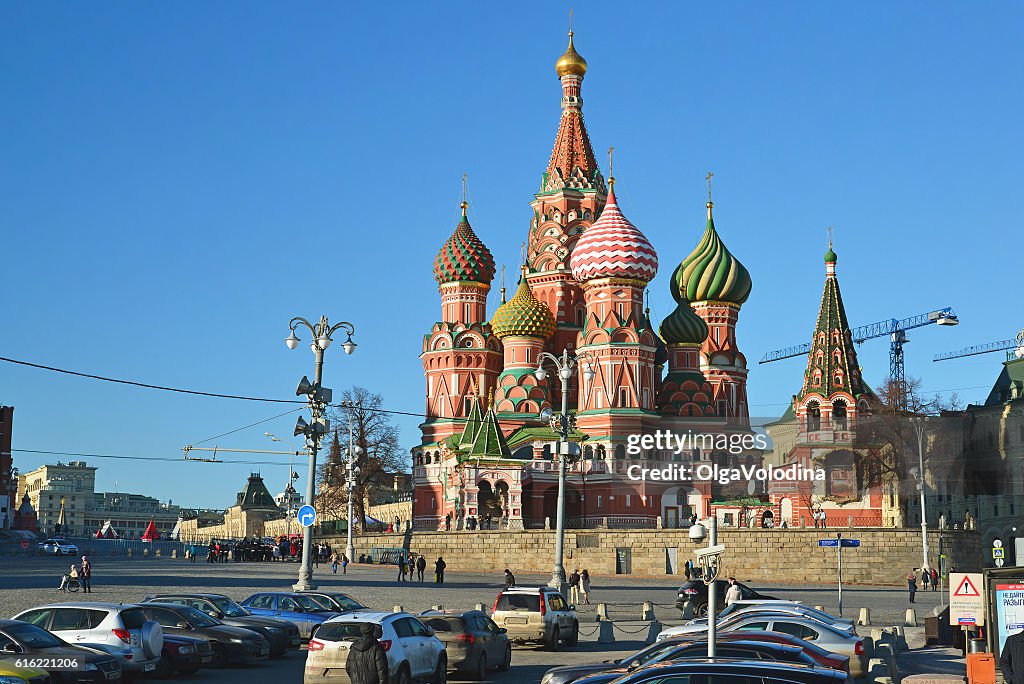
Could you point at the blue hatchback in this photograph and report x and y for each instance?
(304, 611)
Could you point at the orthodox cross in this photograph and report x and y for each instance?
(829, 232)
(708, 179)
(611, 151)
(570, 20)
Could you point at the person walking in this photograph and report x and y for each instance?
(574, 587)
(824, 524)
(926, 579)
(1011, 659)
(421, 566)
(334, 563)
(85, 576)
(367, 662)
(912, 585)
(401, 566)
(439, 566)
(344, 564)
(447, 522)
(585, 585)
(733, 593)
(935, 579)
(510, 579)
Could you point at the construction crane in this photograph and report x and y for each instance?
(1002, 345)
(895, 329)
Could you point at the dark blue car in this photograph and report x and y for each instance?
(304, 611)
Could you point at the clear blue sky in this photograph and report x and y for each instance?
(178, 180)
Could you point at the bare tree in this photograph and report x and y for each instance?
(381, 454)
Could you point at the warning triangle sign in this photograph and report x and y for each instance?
(966, 588)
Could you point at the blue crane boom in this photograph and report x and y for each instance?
(1001, 345)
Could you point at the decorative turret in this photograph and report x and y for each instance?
(684, 391)
(711, 272)
(464, 257)
(523, 315)
(613, 248)
(523, 323)
(684, 326)
(571, 62)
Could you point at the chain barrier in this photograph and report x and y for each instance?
(590, 634)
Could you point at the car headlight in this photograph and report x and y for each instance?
(275, 630)
(91, 667)
(237, 640)
(8, 679)
(186, 649)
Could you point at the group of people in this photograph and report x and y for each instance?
(407, 563)
(81, 573)
(579, 586)
(485, 522)
(929, 577)
(820, 519)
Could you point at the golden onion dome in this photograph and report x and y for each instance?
(571, 62)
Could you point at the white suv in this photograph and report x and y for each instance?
(536, 614)
(58, 547)
(120, 630)
(414, 653)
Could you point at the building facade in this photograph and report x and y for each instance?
(8, 476)
(485, 452)
(254, 514)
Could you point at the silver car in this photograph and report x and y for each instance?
(58, 547)
(120, 630)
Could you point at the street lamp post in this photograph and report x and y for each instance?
(709, 559)
(353, 453)
(564, 424)
(319, 397)
(919, 426)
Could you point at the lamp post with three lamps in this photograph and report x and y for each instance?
(564, 424)
(709, 559)
(319, 398)
(919, 428)
(354, 452)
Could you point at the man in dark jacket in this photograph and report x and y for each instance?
(421, 565)
(367, 663)
(439, 566)
(1011, 659)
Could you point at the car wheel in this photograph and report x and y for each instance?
(441, 670)
(481, 669)
(553, 644)
(164, 669)
(190, 670)
(702, 611)
(403, 675)
(507, 662)
(574, 637)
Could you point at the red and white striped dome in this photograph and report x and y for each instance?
(613, 248)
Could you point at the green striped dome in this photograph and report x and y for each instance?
(711, 272)
(684, 326)
(523, 316)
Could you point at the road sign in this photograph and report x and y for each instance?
(966, 601)
(999, 562)
(829, 542)
(998, 543)
(24, 543)
(307, 516)
(997, 553)
(851, 543)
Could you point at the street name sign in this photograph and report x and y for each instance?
(828, 542)
(966, 600)
(307, 516)
(845, 543)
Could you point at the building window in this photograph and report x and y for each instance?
(598, 500)
(579, 317)
(629, 501)
(623, 397)
(527, 356)
(995, 511)
(467, 312)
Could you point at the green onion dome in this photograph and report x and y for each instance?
(711, 272)
(830, 256)
(660, 350)
(523, 316)
(684, 326)
(464, 258)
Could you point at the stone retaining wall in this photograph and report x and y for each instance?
(884, 557)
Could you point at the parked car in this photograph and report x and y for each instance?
(302, 610)
(799, 626)
(183, 654)
(21, 639)
(12, 674)
(414, 652)
(231, 645)
(121, 630)
(692, 597)
(57, 547)
(820, 656)
(473, 642)
(336, 601)
(760, 671)
(842, 624)
(282, 634)
(536, 614)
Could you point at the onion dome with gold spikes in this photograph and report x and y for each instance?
(464, 258)
(571, 62)
(684, 326)
(523, 316)
(711, 272)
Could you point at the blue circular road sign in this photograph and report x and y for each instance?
(307, 516)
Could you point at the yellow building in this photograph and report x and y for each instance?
(74, 482)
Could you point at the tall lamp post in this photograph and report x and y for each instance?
(354, 452)
(564, 424)
(919, 427)
(319, 398)
(709, 559)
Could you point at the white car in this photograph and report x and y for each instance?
(414, 653)
(792, 607)
(58, 547)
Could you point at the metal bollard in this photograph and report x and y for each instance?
(479, 607)
(606, 632)
(157, 553)
(899, 639)
(869, 647)
(129, 553)
(865, 617)
(437, 607)
(652, 632)
(174, 553)
(602, 612)
(397, 609)
(911, 618)
(647, 613)
(821, 608)
(145, 553)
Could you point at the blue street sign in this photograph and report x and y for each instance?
(307, 516)
(829, 542)
(847, 543)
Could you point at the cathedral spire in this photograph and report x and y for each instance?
(572, 161)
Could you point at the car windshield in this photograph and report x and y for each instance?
(230, 608)
(346, 602)
(523, 602)
(311, 603)
(652, 653)
(446, 624)
(32, 637)
(198, 618)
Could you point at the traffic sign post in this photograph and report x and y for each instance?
(839, 544)
(307, 516)
(966, 600)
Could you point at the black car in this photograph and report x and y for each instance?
(667, 651)
(23, 639)
(692, 598)
(282, 634)
(230, 644)
(722, 669)
(183, 654)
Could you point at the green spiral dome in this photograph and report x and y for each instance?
(711, 272)
(523, 316)
(684, 326)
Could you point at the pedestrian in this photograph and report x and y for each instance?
(367, 661)
(935, 579)
(334, 563)
(926, 579)
(733, 593)
(439, 566)
(912, 585)
(401, 566)
(688, 568)
(344, 564)
(824, 525)
(510, 579)
(1011, 659)
(85, 576)
(67, 577)
(814, 516)
(293, 548)
(448, 522)
(421, 566)
(585, 585)
(574, 587)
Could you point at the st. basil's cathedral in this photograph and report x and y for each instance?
(485, 450)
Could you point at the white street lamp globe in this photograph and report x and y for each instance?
(546, 413)
(349, 346)
(540, 374)
(698, 532)
(589, 374)
(292, 341)
(323, 341)
(565, 373)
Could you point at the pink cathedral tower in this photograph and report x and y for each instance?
(461, 355)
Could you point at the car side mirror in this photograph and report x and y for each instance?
(12, 648)
(430, 630)
(502, 630)
(182, 625)
(572, 607)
